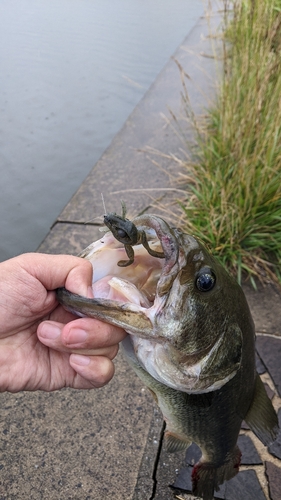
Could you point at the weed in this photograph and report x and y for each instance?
(234, 200)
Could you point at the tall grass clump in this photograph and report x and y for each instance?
(235, 200)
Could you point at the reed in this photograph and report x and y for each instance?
(234, 200)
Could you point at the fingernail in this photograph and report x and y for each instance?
(49, 331)
(77, 359)
(76, 336)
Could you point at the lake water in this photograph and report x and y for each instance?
(71, 73)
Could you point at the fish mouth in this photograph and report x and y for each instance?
(131, 292)
(123, 296)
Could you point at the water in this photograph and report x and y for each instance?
(71, 73)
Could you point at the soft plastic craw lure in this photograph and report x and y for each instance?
(126, 232)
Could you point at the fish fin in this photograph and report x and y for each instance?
(261, 416)
(175, 443)
(206, 477)
(154, 395)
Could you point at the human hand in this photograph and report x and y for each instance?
(42, 346)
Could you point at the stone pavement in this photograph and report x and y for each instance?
(107, 444)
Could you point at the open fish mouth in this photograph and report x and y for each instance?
(160, 303)
(129, 291)
(134, 284)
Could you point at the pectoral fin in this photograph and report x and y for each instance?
(110, 311)
(261, 416)
(175, 443)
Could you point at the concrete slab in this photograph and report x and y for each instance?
(75, 444)
(265, 305)
(69, 238)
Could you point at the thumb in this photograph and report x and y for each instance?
(55, 271)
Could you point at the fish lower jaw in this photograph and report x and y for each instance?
(155, 359)
(191, 385)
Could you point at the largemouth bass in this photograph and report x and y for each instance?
(191, 338)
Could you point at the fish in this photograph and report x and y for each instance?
(191, 338)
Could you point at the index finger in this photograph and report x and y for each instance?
(91, 333)
(81, 333)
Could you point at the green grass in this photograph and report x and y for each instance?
(234, 201)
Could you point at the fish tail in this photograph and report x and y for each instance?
(206, 477)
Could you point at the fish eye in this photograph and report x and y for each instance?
(206, 280)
